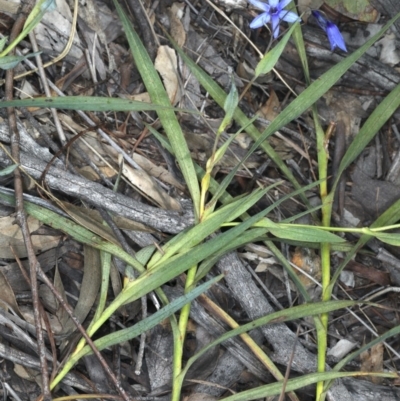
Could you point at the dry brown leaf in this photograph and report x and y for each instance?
(7, 296)
(140, 97)
(27, 314)
(360, 10)
(370, 273)
(372, 361)
(177, 30)
(11, 236)
(166, 64)
(88, 291)
(8, 6)
(146, 185)
(22, 372)
(309, 262)
(70, 122)
(272, 107)
(157, 171)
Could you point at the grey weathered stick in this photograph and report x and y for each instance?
(98, 195)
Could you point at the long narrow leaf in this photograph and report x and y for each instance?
(298, 383)
(392, 332)
(370, 128)
(306, 99)
(86, 103)
(297, 312)
(267, 63)
(389, 216)
(252, 235)
(76, 231)
(172, 267)
(139, 328)
(198, 233)
(33, 19)
(159, 96)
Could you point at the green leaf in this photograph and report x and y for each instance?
(190, 238)
(174, 266)
(32, 20)
(267, 63)
(297, 312)
(298, 383)
(311, 234)
(9, 62)
(144, 255)
(167, 117)
(390, 333)
(86, 103)
(230, 104)
(389, 238)
(306, 99)
(8, 170)
(3, 42)
(373, 124)
(137, 329)
(76, 231)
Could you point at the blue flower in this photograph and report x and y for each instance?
(274, 12)
(331, 30)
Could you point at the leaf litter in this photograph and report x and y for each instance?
(90, 175)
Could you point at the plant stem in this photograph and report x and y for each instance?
(180, 339)
(322, 330)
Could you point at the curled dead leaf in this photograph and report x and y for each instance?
(149, 187)
(166, 64)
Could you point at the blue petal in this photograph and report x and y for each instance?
(283, 4)
(288, 16)
(273, 3)
(322, 21)
(260, 5)
(260, 20)
(275, 25)
(335, 37)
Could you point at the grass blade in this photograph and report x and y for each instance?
(298, 383)
(373, 124)
(390, 333)
(307, 98)
(297, 312)
(168, 118)
(86, 103)
(139, 328)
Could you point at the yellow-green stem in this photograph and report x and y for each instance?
(178, 349)
(322, 330)
(205, 183)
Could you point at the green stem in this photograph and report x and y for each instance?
(322, 329)
(180, 339)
